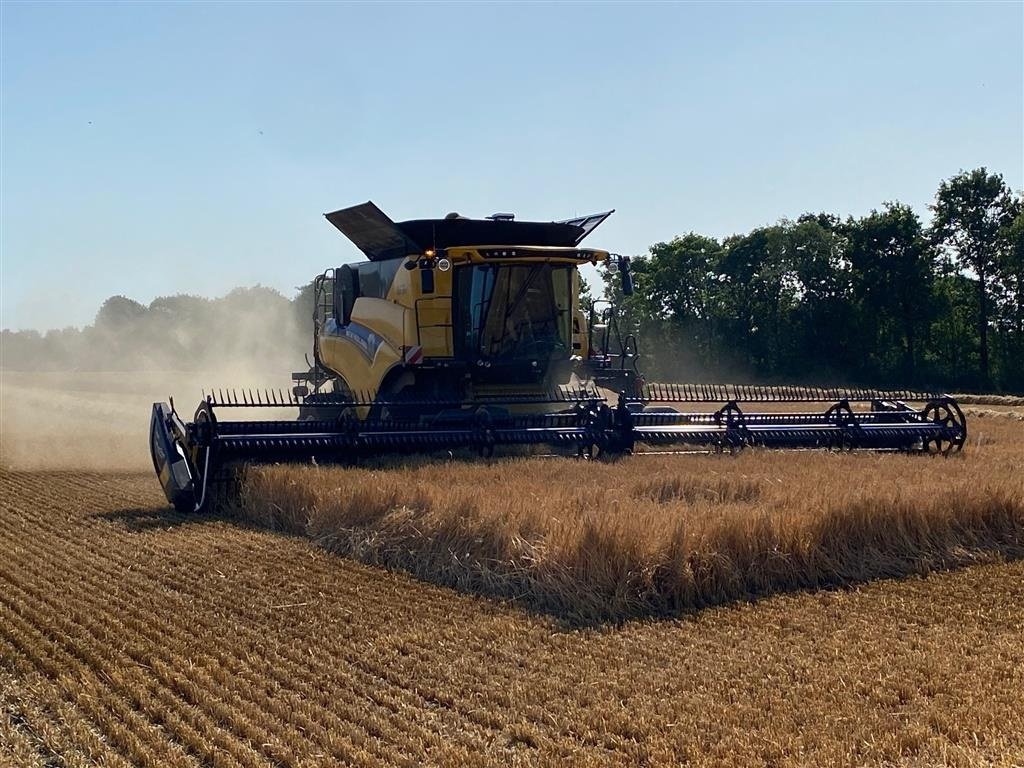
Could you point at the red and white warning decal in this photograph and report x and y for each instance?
(414, 355)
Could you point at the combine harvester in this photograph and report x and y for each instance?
(468, 334)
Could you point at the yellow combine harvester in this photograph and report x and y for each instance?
(452, 309)
(464, 333)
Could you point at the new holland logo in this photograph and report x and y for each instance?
(365, 340)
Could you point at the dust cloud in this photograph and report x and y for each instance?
(81, 399)
(99, 421)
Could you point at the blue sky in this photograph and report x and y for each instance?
(192, 147)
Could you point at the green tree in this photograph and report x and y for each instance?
(586, 297)
(761, 291)
(970, 211)
(681, 288)
(822, 319)
(1011, 299)
(303, 306)
(675, 305)
(119, 313)
(893, 266)
(954, 328)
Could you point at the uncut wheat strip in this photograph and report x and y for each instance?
(197, 693)
(402, 564)
(410, 558)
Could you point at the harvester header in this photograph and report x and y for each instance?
(469, 334)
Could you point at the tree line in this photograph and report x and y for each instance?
(880, 300)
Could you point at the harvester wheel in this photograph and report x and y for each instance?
(736, 435)
(842, 414)
(945, 413)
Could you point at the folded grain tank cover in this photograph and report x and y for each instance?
(587, 224)
(380, 238)
(373, 232)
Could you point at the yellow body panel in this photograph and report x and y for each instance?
(369, 347)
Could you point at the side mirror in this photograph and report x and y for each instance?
(627, 276)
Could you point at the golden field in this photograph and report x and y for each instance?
(132, 635)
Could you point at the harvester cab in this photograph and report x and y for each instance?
(460, 333)
(450, 309)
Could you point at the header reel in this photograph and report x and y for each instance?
(188, 456)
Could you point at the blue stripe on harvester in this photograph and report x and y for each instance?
(367, 341)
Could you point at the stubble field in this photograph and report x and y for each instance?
(131, 635)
